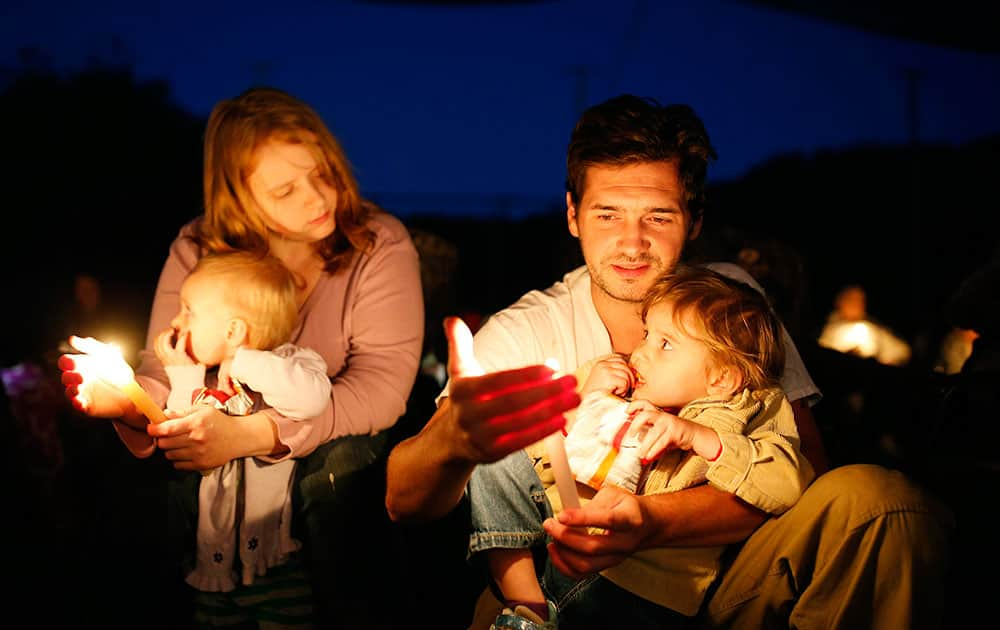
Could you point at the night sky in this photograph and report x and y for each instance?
(480, 100)
(465, 112)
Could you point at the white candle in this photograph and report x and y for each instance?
(142, 401)
(556, 448)
(565, 482)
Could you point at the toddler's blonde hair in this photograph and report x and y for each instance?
(259, 289)
(732, 318)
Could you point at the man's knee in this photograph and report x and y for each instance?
(822, 558)
(858, 493)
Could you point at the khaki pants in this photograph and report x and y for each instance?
(863, 548)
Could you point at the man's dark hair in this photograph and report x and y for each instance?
(630, 129)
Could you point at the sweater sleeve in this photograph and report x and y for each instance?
(150, 374)
(184, 380)
(763, 466)
(291, 380)
(384, 319)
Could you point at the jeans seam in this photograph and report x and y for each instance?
(484, 541)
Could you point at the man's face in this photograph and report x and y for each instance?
(632, 223)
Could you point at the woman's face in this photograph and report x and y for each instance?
(291, 193)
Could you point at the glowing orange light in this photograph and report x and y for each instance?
(108, 364)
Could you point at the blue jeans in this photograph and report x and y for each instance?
(508, 506)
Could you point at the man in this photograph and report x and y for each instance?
(862, 548)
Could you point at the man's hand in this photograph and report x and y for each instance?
(493, 415)
(621, 521)
(485, 418)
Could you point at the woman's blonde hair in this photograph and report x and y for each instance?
(236, 129)
(733, 319)
(259, 289)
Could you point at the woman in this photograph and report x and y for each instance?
(277, 181)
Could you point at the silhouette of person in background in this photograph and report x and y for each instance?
(34, 406)
(963, 404)
(975, 305)
(851, 330)
(31, 385)
(85, 316)
(777, 267)
(438, 266)
(956, 346)
(87, 301)
(433, 554)
(950, 443)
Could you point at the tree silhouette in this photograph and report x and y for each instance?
(102, 172)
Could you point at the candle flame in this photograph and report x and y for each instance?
(470, 365)
(106, 361)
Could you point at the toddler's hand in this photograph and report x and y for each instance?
(171, 352)
(611, 375)
(663, 430)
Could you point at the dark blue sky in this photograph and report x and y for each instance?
(481, 100)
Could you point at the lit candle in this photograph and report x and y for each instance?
(556, 448)
(111, 366)
(468, 363)
(859, 338)
(554, 445)
(142, 401)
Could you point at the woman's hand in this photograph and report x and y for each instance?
(91, 395)
(201, 438)
(170, 350)
(612, 375)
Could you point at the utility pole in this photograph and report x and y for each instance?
(912, 76)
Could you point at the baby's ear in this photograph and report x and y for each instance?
(237, 332)
(724, 381)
